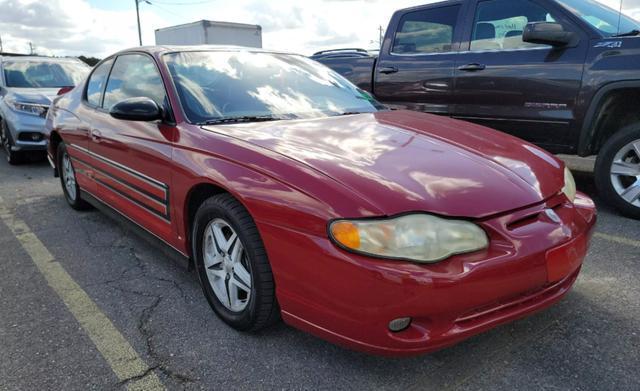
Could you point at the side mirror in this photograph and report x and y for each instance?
(136, 109)
(547, 33)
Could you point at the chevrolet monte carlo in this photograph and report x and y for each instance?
(296, 195)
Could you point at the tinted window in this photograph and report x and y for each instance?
(428, 31)
(215, 85)
(603, 18)
(96, 83)
(133, 76)
(499, 24)
(44, 74)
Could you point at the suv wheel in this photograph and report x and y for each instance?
(617, 171)
(13, 157)
(232, 265)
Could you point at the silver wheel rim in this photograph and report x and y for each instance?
(625, 173)
(69, 176)
(226, 265)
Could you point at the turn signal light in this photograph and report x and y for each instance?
(346, 233)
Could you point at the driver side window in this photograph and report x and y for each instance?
(133, 76)
(499, 24)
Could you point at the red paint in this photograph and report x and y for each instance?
(295, 176)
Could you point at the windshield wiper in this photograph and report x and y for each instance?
(631, 33)
(246, 118)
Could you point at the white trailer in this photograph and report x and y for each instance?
(207, 32)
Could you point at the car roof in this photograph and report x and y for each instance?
(162, 49)
(37, 58)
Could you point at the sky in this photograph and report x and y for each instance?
(100, 27)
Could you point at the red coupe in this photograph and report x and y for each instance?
(296, 195)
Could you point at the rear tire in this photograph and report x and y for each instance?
(68, 181)
(232, 265)
(13, 157)
(617, 171)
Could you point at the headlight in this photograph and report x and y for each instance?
(29, 108)
(569, 188)
(416, 237)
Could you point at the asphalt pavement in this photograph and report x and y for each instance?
(78, 289)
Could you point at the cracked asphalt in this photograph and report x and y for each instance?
(589, 341)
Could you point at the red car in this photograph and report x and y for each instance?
(297, 195)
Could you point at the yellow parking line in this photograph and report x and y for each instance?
(618, 239)
(116, 350)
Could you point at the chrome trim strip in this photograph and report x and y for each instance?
(162, 203)
(466, 118)
(122, 167)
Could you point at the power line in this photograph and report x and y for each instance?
(184, 3)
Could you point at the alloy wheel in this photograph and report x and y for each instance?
(69, 176)
(625, 173)
(227, 266)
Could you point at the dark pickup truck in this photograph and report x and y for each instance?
(563, 74)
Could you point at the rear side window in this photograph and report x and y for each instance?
(134, 76)
(499, 24)
(96, 83)
(427, 31)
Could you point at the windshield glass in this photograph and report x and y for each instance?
(602, 17)
(43, 74)
(219, 85)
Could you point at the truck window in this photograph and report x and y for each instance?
(427, 31)
(499, 24)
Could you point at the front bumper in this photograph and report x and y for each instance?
(532, 262)
(21, 125)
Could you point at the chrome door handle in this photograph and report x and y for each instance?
(96, 135)
(472, 67)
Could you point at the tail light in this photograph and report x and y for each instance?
(64, 90)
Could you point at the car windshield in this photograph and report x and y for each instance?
(216, 86)
(43, 74)
(607, 20)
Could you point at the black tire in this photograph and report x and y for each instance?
(262, 309)
(13, 157)
(604, 164)
(76, 202)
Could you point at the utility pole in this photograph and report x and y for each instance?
(381, 30)
(31, 50)
(0, 43)
(138, 15)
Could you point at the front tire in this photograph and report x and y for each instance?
(13, 157)
(68, 181)
(232, 265)
(617, 171)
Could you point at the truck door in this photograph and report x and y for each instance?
(528, 90)
(416, 66)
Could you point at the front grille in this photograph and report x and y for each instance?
(32, 137)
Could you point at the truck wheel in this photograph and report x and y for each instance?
(617, 172)
(13, 157)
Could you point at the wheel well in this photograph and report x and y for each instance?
(196, 196)
(617, 110)
(54, 141)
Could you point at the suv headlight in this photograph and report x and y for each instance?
(416, 237)
(569, 188)
(26, 107)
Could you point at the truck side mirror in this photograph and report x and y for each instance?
(548, 33)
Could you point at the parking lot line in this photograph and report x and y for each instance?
(618, 239)
(116, 350)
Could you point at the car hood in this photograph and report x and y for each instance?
(42, 96)
(405, 161)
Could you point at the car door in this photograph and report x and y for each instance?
(78, 131)
(133, 158)
(415, 67)
(528, 90)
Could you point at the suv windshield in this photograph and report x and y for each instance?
(609, 21)
(43, 74)
(225, 86)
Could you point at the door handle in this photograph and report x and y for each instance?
(96, 135)
(472, 67)
(388, 70)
